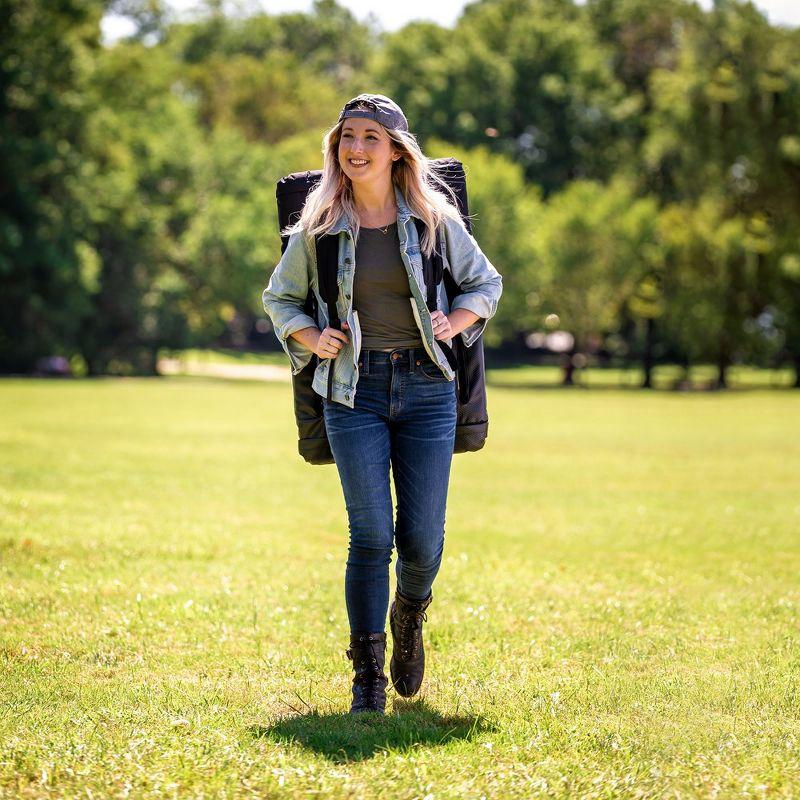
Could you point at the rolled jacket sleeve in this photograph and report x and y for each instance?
(480, 282)
(284, 300)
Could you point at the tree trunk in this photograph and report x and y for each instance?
(647, 355)
(569, 369)
(723, 362)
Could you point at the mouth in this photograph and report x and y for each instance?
(358, 163)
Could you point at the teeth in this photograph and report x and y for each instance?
(357, 162)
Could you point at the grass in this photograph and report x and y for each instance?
(616, 615)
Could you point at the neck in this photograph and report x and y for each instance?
(374, 200)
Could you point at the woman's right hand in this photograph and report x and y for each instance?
(331, 341)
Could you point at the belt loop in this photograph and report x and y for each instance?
(364, 359)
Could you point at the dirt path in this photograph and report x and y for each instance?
(253, 372)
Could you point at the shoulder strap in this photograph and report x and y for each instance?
(432, 267)
(433, 272)
(327, 251)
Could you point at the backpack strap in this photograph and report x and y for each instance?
(432, 268)
(433, 273)
(327, 250)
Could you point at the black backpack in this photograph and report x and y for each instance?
(467, 362)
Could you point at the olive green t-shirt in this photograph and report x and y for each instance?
(381, 292)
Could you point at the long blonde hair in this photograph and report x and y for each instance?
(412, 173)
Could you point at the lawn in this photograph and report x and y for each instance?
(617, 613)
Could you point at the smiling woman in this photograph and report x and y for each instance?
(366, 156)
(392, 403)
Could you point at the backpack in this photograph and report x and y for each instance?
(467, 362)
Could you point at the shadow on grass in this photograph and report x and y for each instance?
(356, 737)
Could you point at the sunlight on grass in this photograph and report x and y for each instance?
(616, 613)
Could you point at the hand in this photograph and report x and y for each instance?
(331, 341)
(441, 325)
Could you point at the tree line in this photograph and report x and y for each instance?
(633, 167)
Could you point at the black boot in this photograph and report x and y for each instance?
(368, 653)
(408, 653)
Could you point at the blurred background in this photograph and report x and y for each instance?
(633, 167)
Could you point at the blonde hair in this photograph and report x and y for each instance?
(413, 173)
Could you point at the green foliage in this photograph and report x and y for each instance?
(528, 79)
(633, 168)
(45, 51)
(597, 248)
(506, 213)
(268, 98)
(140, 196)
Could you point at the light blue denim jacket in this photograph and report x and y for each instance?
(285, 296)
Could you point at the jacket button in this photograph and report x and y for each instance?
(347, 397)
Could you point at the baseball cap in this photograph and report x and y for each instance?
(378, 107)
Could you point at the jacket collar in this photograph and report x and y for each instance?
(403, 213)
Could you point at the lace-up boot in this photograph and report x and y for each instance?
(367, 651)
(408, 653)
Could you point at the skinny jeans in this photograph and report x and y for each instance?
(404, 416)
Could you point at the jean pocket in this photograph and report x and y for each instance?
(431, 372)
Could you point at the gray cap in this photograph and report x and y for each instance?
(378, 107)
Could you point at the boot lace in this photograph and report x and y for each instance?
(410, 625)
(369, 679)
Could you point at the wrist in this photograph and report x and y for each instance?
(461, 318)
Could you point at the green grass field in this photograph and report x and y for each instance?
(617, 613)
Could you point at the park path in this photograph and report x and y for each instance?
(253, 372)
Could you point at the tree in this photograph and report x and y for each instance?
(724, 128)
(595, 246)
(527, 78)
(506, 213)
(138, 192)
(43, 114)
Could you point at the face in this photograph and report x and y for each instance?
(366, 140)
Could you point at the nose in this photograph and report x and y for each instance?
(356, 145)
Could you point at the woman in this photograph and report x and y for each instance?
(393, 398)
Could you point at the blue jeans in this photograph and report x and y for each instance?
(404, 415)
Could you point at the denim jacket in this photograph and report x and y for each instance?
(285, 296)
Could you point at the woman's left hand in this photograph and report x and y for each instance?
(441, 325)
